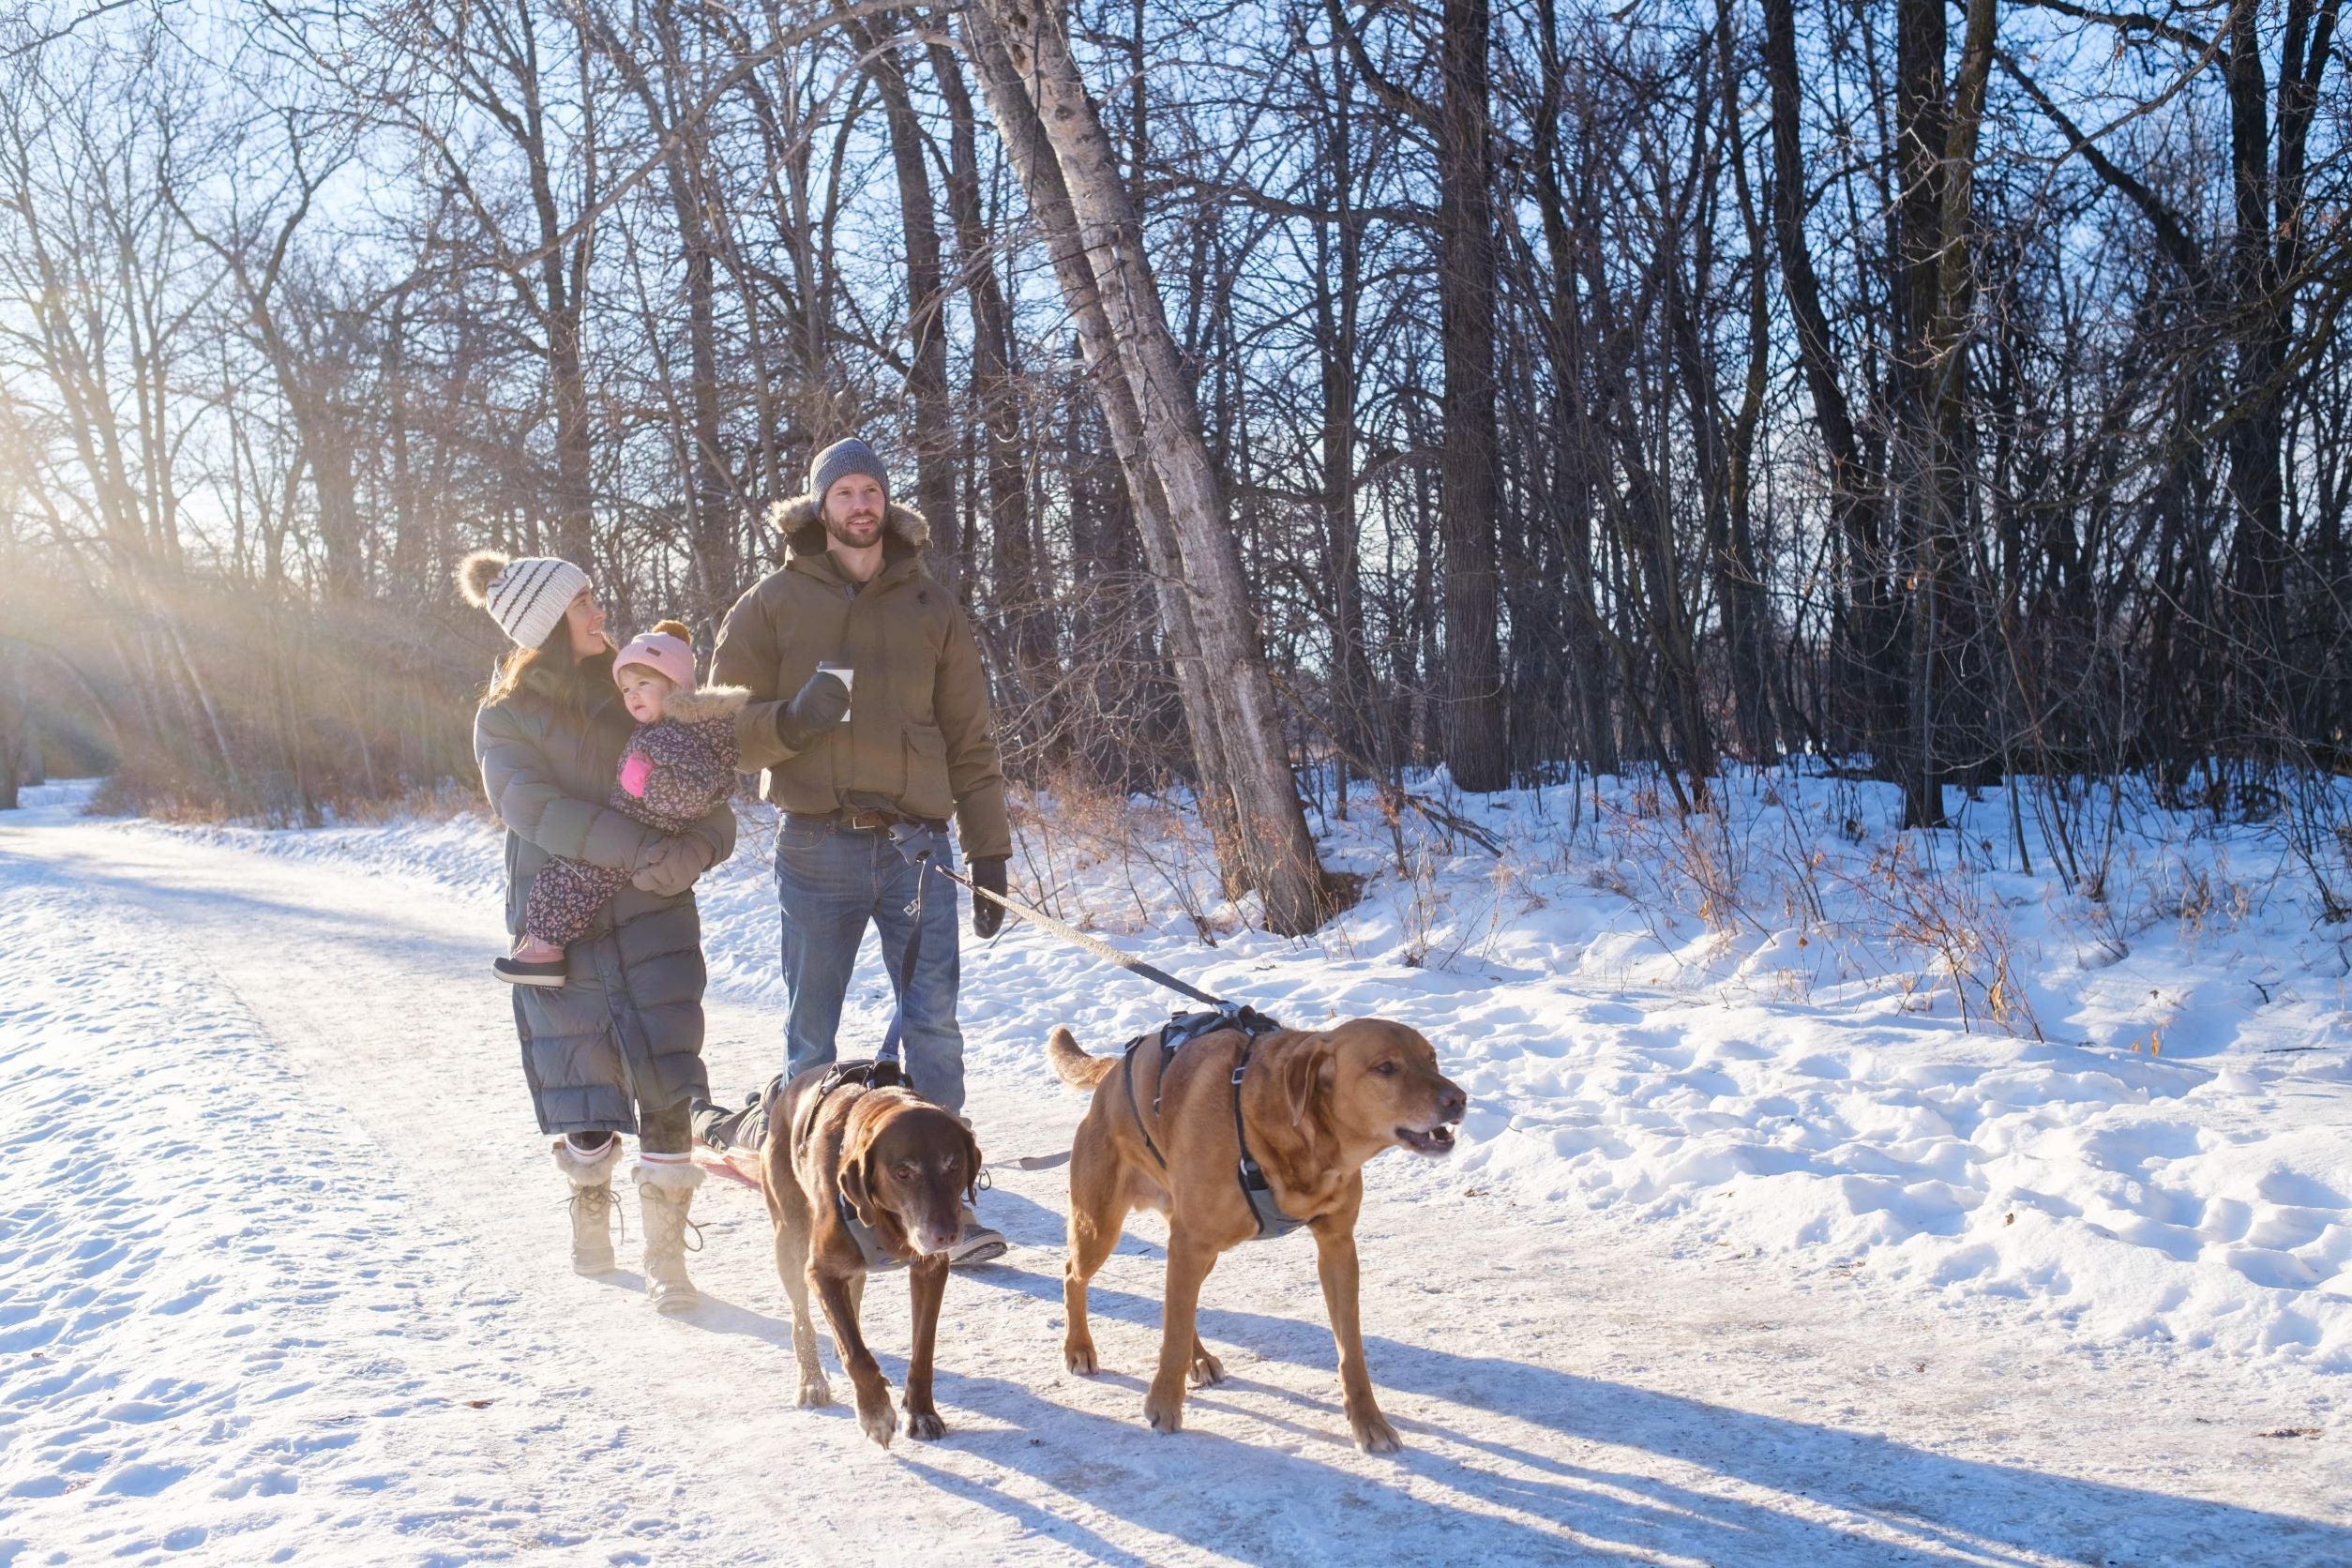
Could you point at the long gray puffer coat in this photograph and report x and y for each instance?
(624, 1031)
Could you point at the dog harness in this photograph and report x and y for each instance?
(1173, 1035)
(885, 1074)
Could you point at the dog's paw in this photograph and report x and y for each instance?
(924, 1425)
(1078, 1356)
(879, 1421)
(1374, 1435)
(815, 1391)
(1207, 1369)
(1165, 1413)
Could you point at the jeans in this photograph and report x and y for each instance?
(830, 882)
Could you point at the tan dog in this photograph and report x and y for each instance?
(902, 1167)
(1314, 1107)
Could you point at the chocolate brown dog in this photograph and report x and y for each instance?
(1310, 1108)
(844, 1156)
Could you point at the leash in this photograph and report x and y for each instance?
(1093, 945)
(922, 846)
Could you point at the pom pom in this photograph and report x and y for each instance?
(475, 574)
(674, 628)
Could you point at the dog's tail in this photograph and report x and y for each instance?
(1072, 1065)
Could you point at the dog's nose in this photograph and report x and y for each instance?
(1452, 1102)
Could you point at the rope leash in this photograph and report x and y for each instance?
(922, 846)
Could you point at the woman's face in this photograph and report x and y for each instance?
(584, 618)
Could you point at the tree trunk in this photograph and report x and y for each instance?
(1014, 560)
(15, 726)
(926, 309)
(1473, 736)
(1361, 735)
(1033, 163)
(1747, 613)
(1864, 643)
(2258, 550)
(1279, 853)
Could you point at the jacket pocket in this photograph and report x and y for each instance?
(927, 793)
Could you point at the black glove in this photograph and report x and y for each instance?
(986, 914)
(818, 706)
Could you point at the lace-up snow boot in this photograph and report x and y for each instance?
(665, 1190)
(595, 1210)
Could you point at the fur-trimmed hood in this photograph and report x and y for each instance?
(801, 522)
(704, 703)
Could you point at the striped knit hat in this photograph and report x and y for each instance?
(526, 597)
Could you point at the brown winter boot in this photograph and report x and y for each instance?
(664, 1192)
(594, 1206)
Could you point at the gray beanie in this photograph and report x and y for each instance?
(838, 461)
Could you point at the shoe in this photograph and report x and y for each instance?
(739, 1131)
(976, 1245)
(595, 1210)
(516, 972)
(664, 1193)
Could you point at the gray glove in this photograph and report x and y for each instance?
(673, 864)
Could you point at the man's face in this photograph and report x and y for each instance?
(853, 511)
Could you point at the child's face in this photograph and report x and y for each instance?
(643, 692)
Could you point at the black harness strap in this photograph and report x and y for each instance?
(1256, 1190)
(1127, 1070)
(883, 1074)
(1178, 1032)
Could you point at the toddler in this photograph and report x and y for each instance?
(679, 763)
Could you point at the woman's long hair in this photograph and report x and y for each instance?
(475, 574)
(576, 677)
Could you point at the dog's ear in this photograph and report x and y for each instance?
(856, 1177)
(972, 1163)
(1303, 1073)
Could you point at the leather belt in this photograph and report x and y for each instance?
(862, 821)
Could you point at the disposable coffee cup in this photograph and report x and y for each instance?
(848, 677)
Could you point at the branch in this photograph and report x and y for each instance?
(1396, 98)
(2129, 21)
(29, 45)
(2171, 234)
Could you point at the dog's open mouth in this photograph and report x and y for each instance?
(1436, 1141)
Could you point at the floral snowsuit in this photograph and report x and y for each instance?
(672, 773)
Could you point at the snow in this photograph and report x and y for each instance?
(1814, 1201)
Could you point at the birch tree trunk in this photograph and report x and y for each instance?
(1033, 163)
(1277, 852)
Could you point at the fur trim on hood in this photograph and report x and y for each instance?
(801, 523)
(706, 702)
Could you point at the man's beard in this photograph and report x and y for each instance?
(856, 532)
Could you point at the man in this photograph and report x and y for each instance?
(917, 745)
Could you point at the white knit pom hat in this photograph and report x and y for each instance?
(526, 596)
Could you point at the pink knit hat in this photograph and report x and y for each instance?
(671, 657)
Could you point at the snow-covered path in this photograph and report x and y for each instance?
(281, 1280)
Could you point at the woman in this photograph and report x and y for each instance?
(618, 1046)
